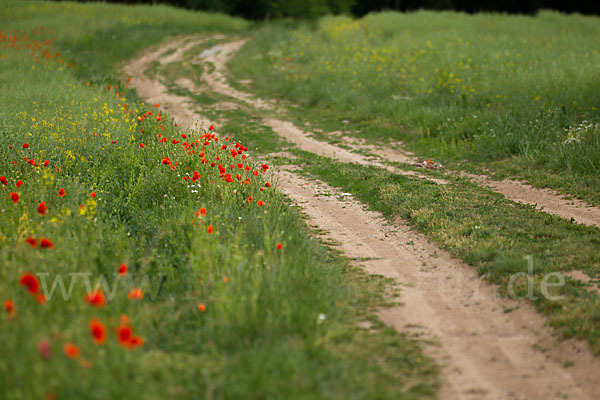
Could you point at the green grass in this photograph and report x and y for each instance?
(284, 322)
(516, 95)
(483, 228)
(489, 232)
(96, 37)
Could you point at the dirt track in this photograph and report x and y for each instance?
(486, 353)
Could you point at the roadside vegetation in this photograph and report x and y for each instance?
(506, 95)
(184, 273)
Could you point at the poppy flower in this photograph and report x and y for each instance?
(25, 145)
(71, 350)
(196, 176)
(264, 167)
(45, 349)
(225, 279)
(202, 307)
(95, 299)
(9, 307)
(249, 199)
(135, 294)
(98, 331)
(46, 243)
(14, 197)
(123, 269)
(46, 163)
(142, 145)
(3, 180)
(19, 183)
(209, 229)
(201, 211)
(124, 334)
(30, 281)
(166, 161)
(31, 241)
(260, 203)
(41, 298)
(210, 128)
(42, 208)
(175, 141)
(136, 341)
(93, 195)
(267, 184)
(61, 192)
(156, 105)
(279, 246)
(228, 178)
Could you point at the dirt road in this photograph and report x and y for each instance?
(486, 353)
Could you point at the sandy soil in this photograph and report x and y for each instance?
(486, 352)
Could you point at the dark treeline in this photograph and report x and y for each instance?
(260, 9)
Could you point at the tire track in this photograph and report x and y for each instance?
(485, 352)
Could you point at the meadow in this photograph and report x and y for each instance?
(508, 95)
(142, 260)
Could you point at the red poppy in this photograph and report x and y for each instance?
(136, 341)
(209, 229)
(264, 167)
(19, 183)
(9, 307)
(46, 163)
(201, 211)
(31, 241)
(124, 334)
(98, 331)
(14, 197)
(166, 161)
(142, 145)
(196, 176)
(93, 195)
(41, 298)
(249, 199)
(202, 307)
(25, 145)
(156, 105)
(175, 141)
(225, 279)
(135, 294)
(123, 269)
(260, 203)
(71, 350)
(210, 128)
(46, 243)
(95, 299)
(279, 246)
(42, 208)
(30, 281)
(228, 178)
(267, 184)
(61, 192)
(3, 180)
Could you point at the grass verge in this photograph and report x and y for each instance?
(490, 233)
(513, 95)
(132, 266)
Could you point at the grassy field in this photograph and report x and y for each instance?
(205, 287)
(513, 95)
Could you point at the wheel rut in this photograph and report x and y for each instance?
(485, 352)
